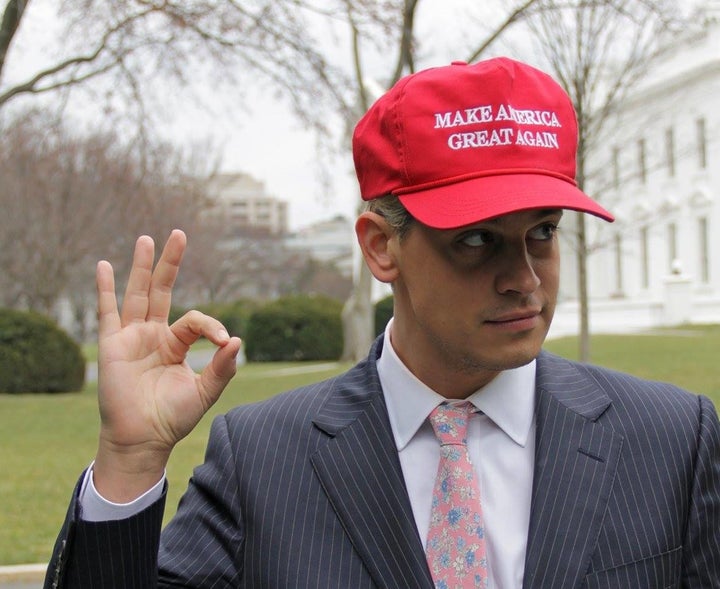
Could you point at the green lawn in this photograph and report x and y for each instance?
(47, 440)
(687, 356)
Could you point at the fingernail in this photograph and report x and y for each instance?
(223, 335)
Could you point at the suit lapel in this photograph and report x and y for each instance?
(360, 473)
(575, 464)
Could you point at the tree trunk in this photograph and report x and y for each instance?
(582, 274)
(12, 15)
(357, 318)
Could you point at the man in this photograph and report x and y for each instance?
(567, 476)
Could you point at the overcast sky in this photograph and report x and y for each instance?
(272, 146)
(266, 140)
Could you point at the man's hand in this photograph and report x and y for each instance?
(149, 396)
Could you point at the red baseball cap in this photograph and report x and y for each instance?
(464, 143)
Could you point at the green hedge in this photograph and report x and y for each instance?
(234, 316)
(295, 328)
(37, 356)
(383, 313)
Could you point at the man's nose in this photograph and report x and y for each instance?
(516, 272)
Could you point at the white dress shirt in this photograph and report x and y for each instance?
(501, 443)
(95, 508)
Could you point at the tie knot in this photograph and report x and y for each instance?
(450, 422)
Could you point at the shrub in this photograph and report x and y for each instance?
(234, 316)
(175, 313)
(295, 328)
(383, 313)
(37, 356)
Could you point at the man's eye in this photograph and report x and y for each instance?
(476, 238)
(543, 232)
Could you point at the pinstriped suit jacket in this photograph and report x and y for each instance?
(626, 495)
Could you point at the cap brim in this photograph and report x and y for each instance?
(479, 199)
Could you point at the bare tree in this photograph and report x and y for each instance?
(122, 55)
(134, 41)
(125, 52)
(50, 195)
(598, 50)
(69, 200)
(129, 59)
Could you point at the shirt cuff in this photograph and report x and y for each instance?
(95, 508)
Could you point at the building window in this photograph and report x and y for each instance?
(670, 151)
(704, 250)
(672, 246)
(618, 265)
(642, 163)
(645, 257)
(701, 143)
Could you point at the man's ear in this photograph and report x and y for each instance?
(378, 242)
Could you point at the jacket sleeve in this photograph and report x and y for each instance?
(701, 556)
(112, 555)
(202, 546)
(200, 543)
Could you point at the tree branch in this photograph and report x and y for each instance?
(31, 85)
(517, 14)
(405, 55)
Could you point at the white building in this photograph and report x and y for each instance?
(329, 241)
(659, 263)
(247, 205)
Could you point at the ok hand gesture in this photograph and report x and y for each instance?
(149, 397)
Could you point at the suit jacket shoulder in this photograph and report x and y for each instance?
(627, 481)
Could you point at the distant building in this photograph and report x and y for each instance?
(659, 263)
(246, 205)
(330, 241)
(272, 261)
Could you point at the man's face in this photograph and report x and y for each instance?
(474, 301)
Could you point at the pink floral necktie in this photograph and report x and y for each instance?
(456, 540)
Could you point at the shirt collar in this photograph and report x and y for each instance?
(508, 400)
